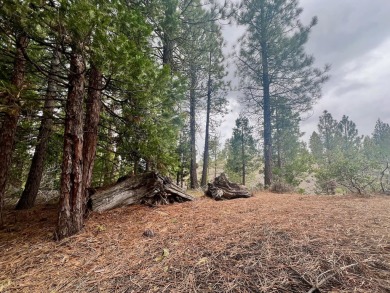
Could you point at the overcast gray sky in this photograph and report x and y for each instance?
(354, 37)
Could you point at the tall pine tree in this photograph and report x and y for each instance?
(272, 63)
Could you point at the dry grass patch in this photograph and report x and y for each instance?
(268, 243)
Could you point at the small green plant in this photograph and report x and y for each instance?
(100, 228)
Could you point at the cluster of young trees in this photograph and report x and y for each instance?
(343, 159)
(97, 89)
(242, 152)
(292, 161)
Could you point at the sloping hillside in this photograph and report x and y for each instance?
(268, 243)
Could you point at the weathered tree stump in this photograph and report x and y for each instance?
(221, 188)
(148, 188)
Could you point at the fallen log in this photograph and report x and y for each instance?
(148, 188)
(221, 188)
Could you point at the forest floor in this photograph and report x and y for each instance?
(267, 243)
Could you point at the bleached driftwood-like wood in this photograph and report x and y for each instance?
(147, 188)
(222, 188)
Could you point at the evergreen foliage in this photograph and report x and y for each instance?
(241, 151)
(93, 90)
(292, 160)
(273, 64)
(348, 161)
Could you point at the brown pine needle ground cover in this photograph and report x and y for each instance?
(268, 243)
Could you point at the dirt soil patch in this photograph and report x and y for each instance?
(267, 243)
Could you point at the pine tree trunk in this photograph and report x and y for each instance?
(136, 166)
(193, 175)
(267, 105)
(277, 138)
(34, 178)
(267, 132)
(207, 134)
(93, 106)
(11, 116)
(168, 43)
(71, 210)
(215, 162)
(180, 174)
(279, 148)
(109, 161)
(243, 156)
(167, 57)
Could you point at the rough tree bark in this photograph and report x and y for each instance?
(215, 160)
(147, 188)
(278, 148)
(221, 189)
(30, 192)
(267, 103)
(71, 211)
(167, 57)
(93, 107)
(10, 100)
(243, 167)
(193, 175)
(207, 132)
(109, 159)
(180, 173)
(168, 31)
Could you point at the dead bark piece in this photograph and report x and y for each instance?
(148, 188)
(221, 188)
(149, 233)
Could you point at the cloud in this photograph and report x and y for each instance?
(346, 29)
(359, 90)
(229, 121)
(352, 36)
